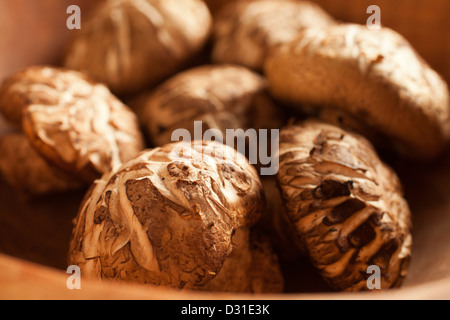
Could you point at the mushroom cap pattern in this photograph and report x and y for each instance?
(168, 216)
(374, 76)
(346, 205)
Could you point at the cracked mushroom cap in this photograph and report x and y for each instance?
(222, 97)
(375, 76)
(346, 205)
(133, 44)
(246, 31)
(75, 124)
(26, 170)
(40, 85)
(167, 217)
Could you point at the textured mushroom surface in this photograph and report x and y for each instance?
(74, 123)
(221, 97)
(375, 76)
(25, 169)
(134, 44)
(252, 266)
(245, 32)
(347, 121)
(167, 217)
(40, 86)
(346, 205)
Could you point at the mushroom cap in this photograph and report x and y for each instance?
(375, 76)
(252, 266)
(346, 205)
(168, 216)
(245, 32)
(26, 170)
(134, 44)
(74, 123)
(222, 97)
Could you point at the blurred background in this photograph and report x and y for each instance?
(34, 31)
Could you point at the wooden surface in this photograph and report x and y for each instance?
(24, 280)
(38, 230)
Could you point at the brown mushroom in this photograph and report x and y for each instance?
(74, 123)
(245, 32)
(167, 217)
(373, 75)
(346, 205)
(252, 266)
(221, 97)
(134, 44)
(26, 170)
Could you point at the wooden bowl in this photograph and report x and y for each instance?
(34, 233)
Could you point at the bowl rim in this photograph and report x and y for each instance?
(22, 279)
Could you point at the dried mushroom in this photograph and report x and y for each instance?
(246, 32)
(167, 217)
(346, 205)
(252, 266)
(222, 97)
(40, 86)
(74, 123)
(134, 44)
(347, 121)
(275, 222)
(375, 76)
(25, 169)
